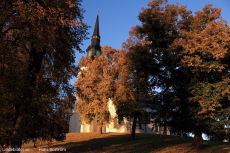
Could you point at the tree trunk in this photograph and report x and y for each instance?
(33, 70)
(198, 140)
(156, 126)
(35, 142)
(99, 129)
(132, 136)
(165, 129)
(19, 130)
(140, 126)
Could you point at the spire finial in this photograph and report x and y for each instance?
(97, 11)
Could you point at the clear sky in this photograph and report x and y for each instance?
(117, 17)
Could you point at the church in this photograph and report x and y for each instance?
(94, 49)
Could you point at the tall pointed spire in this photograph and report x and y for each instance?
(95, 49)
(96, 27)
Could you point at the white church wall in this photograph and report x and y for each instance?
(74, 126)
(85, 128)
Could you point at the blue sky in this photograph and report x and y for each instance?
(117, 17)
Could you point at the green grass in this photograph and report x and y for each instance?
(119, 143)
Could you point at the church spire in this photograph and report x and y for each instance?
(95, 49)
(96, 27)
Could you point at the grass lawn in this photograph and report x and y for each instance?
(119, 143)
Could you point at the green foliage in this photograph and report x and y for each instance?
(189, 61)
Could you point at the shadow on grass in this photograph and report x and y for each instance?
(120, 143)
(115, 142)
(216, 147)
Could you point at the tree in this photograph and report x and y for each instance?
(38, 39)
(103, 78)
(95, 86)
(159, 29)
(206, 57)
(137, 75)
(192, 54)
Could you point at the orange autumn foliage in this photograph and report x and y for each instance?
(100, 79)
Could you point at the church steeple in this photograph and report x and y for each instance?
(95, 49)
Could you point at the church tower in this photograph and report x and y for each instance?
(95, 49)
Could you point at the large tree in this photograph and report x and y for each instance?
(38, 40)
(138, 77)
(192, 52)
(109, 76)
(204, 51)
(95, 86)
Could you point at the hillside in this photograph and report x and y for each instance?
(116, 142)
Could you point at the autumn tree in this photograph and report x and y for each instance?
(103, 78)
(205, 54)
(95, 86)
(192, 53)
(38, 39)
